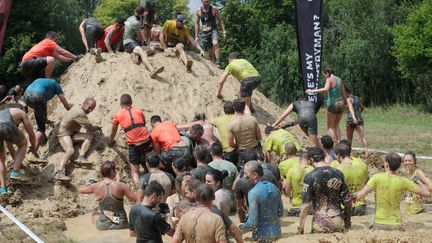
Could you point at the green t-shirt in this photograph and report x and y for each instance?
(221, 123)
(230, 168)
(277, 139)
(286, 165)
(356, 176)
(389, 192)
(132, 26)
(241, 69)
(294, 178)
(334, 164)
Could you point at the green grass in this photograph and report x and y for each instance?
(396, 129)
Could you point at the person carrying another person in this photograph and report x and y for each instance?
(132, 120)
(207, 15)
(293, 187)
(243, 132)
(325, 191)
(328, 146)
(91, 31)
(244, 72)
(291, 159)
(335, 102)
(10, 118)
(69, 133)
(146, 224)
(175, 34)
(39, 61)
(109, 193)
(356, 176)
(354, 119)
(222, 125)
(112, 37)
(36, 96)
(276, 141)
(133, 40)
(389, 191)
(307, 120)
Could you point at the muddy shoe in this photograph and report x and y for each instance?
(3, 191)
(156, 71)
(82, 161)
(135, 58)
(19, 176)
(60, 175)
(98, 56)
(189, 65)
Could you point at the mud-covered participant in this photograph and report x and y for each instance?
(243, 132)
(414, 202)
(328, 146)
(147, 19)
(109, 193)
(307, 120)
(155, 32)
(276, 141)
(175, 34)
(335, 102)
(133, 40)
(356, 175)
(265, 206)
(207, 15)
(39, 61)
(293, 186)
(291, 159)
(325, 191)
(221, 164)
(355, 120)
(389, 192)
(222, 125)
(36, 96)
(91, 31)
(222, 200)
(146, 224)
(69, 133)
(180, 185)
(10, 118)
(200, 118)
(244, 72)
(11, 96)
(132, 120)
(112, 37)
(201, 153)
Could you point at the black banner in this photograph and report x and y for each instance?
(309, 39)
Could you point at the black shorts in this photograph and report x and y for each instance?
(352, 125)
(34, 68)
(336, 107)
(39, 104)
(309, 127)
(232, 156)
(248, 85)
(10, 133)
(148, 15)
(137, 152)
(208, 38)
(129, 47)
(257, 150)
(93, 33)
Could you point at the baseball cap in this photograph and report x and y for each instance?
(181, 18)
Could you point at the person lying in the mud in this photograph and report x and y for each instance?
(10, 118)
(69, 133)
(200, 118)
(389, 191)
(109, 194)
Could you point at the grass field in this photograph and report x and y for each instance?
(395, 129)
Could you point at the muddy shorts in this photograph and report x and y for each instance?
(137, 152)
(129, 47)
(148, 15)
(93, 33)
(309, 126)
(208, 37)
(328, 225)
(10, 133)
(350, 123)
(34, 68)
(38, 103)
(248, 85)
(104, 223)
(336, 107)
(232, 156)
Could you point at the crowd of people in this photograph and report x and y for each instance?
(187, 178)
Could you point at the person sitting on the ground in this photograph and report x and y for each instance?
(222, 124)
(276, 141)
(91, 31)
(414, 202)
(244, 133)
(109, 194)
(36, 96)
(293, 187)
(10, 118)
(155, 174)
(244, 72)
(112, 38)
(146, 224)
(222, 200)
(39, 61)
(328, 146)
(354, 119)
(175, 34)
(133, 40)
(291, 159)
(201, 153)
(200, 118)
(69, 133)
(389, 191)
(325, 191)
(181, 165)
(132, 120)
(307, 120)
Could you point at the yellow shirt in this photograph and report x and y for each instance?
(334, 164)
(175, 35)
(413, 201)
(295, 178)
(286, 165)
(221, 123)
(356, 176)
(389, 192)
(277, 139)
(241, 69)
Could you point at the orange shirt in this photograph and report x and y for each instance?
(42, 49)
(116, 35)
(166, 134)
(136, 135)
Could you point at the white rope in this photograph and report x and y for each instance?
(21, 225)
